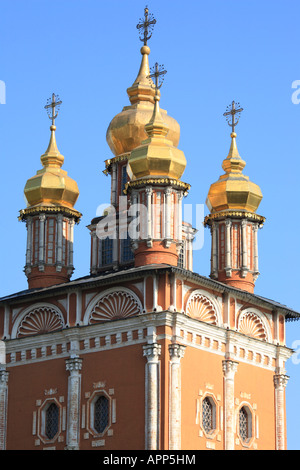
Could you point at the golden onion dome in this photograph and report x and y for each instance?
(157, 156)
(233, 190)
(51, 186)
(126, 131)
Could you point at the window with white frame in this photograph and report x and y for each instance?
(208, 415)
(245, 424)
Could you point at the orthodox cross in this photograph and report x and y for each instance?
(233, 113)
(52, 107)
(157, 72)
(145, 26)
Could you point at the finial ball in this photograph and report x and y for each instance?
(145, 50)
(232, 135)
(52, 128)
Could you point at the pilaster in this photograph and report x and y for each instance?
(3, 407)
(73, 365)
(152, 384)
(176, 352)
(280, 382)
(229, 370)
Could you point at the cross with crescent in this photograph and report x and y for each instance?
(232, 111)
(145, 26)
(53, 104)
(157, 73)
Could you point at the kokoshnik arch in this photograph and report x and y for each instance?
(143, 353)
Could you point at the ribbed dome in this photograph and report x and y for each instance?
(51, 185)
(126, 131)
(233, 190)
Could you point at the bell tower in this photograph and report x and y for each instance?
(233, 201)
(50, 215)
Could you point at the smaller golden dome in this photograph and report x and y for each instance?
(157, 156)
(51, 186)
(126, 131)
(233, 190)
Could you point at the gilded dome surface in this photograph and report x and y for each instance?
(126, 131)
(157, 156)
(233, 190)
(51, 185)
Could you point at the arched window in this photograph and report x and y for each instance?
(51, 421)
(208, 415)
(245, 426)
(101, 414)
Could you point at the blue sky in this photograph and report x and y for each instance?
(87, 51)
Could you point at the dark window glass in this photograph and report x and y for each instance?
(52, 415)
(101, 414)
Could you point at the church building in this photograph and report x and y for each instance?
(142, 352)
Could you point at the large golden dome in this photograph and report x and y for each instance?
(51, 186)
(233, 190)
(126, 131)
(157, 156)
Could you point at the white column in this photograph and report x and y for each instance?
(114, 184)
(229, 370)
(42, 219)
(59, 242)
(94, 252)
(176, 352)
(179, 215)
(214, 230)
(244, 246)
(255, 249)
(71, 242)
(29, 241)
(73, 365)
(228, 266)
(149, 213)
(3, 407)
(152, 353)
(280, 382)
(167, 214)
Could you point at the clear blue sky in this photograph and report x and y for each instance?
(87, 51)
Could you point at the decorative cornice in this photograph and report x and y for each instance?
(119, 158)
(30, 211)
(234, 214)
(157, 182)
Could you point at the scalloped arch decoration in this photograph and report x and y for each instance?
(201, 308)
(251, 324)
(39, 320)
(114, 306)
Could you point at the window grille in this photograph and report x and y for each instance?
(107, 251)
(181, 257)
(123, 179)
(126, 251)
(50, 241)
(244, 424)
(207, 415)
(36, 240)
(51, 421)
(101, 414)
